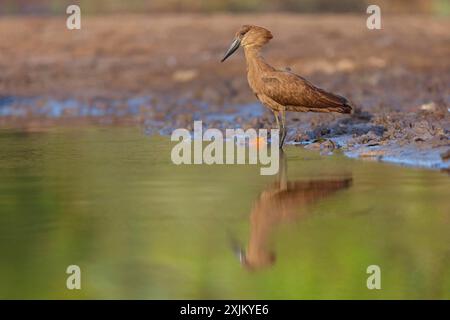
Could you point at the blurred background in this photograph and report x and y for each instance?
(86, 179)
(310, 6)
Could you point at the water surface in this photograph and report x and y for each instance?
(111, 201)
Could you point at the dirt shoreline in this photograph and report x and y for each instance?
(162, 72)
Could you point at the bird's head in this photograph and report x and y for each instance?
(248, 36)
(257, 260)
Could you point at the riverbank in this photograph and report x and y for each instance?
(163, 72)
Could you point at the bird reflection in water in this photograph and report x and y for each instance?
(283, 202)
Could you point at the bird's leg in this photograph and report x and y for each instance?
(282, 173)
(283, 127)
(279, 127)
(275, 113)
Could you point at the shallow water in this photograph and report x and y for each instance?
(111, 202)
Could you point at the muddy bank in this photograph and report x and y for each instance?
(162, 72)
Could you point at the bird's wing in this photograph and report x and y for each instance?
(289, 89)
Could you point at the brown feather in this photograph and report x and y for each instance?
(283, 90)
(298, 94)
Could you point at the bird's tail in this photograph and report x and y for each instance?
(346, 108)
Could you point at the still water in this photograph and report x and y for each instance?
(112, 202)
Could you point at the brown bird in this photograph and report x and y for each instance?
(281, 90)
(283, 202)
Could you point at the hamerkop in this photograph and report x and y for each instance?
(283, 202)
(281, 90)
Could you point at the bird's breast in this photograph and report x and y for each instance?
(254, 83)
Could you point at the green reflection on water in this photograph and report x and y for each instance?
(111, 201)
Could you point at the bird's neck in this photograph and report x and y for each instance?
(255, 61)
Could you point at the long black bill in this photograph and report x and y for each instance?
(237, 249)
(234, 46)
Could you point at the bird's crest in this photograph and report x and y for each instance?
(253, 35)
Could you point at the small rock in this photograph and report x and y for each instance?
(371, 153)
(184, 75)
(446, 155)
(430, 107)
(313, 146)
(327, 145)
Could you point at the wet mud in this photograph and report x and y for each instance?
(163, 72)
